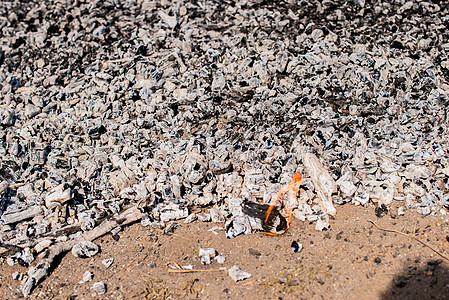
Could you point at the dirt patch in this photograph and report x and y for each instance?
(350, 259)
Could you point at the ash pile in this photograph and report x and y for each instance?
(164, 105)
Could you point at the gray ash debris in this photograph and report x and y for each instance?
(166, 106)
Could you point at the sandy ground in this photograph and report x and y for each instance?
(352, 259)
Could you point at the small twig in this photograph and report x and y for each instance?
(412, 237)
(177, 265)
(192, 271)
(171, 262)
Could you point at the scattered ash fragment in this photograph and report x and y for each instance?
(238, 274)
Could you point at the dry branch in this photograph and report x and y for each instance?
(193, 271)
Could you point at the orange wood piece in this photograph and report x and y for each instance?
(291, 190)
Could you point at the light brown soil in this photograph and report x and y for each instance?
(352, 259)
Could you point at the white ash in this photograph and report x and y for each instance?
(172, 212)
(215, 229)
(87, 276)
(107, 262)
(204, 218)
(163, 116)
(322, 222)
(191, 218)
(98, 288)
(238, 274)
(146, 220)
(17, 276)
(220, 259)
(85, 249)
(206, 255)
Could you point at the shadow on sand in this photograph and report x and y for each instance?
(417, 280)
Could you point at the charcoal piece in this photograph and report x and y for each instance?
(258, 214)
(7, 117)
(324, 184)
(173, 212)
(238, 225)
(218, 167)
(58, 195)
(43, 244)
(169, 20)
(95, 132)
(346, 185)
(322, 222)
(218, 214)
(85, 249)
(296, 247)
(26, 257)
(191, 218)
(87, 223)
(6, 250)
(27, 213)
